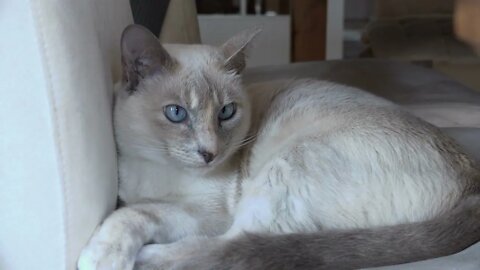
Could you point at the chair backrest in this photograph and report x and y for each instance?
(58, 171)
(181, 23)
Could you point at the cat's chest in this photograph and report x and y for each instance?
(142, 180)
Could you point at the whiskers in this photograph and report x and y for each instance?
(156, 148)
(245, 141)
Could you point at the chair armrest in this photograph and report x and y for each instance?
(58, 168)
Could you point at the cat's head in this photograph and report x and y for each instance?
(182, 104)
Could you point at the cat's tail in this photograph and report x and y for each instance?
(441, 236)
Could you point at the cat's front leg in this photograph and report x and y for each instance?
(117, 241)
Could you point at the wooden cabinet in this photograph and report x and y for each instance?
(309, 30)
(467, 22)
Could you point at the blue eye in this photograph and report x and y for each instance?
(227, 112)
(175, 113)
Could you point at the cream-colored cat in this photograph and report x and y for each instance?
(285, 175)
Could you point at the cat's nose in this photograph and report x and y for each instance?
(207, 156)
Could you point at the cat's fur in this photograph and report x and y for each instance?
(306, 175)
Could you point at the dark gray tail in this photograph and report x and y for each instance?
(441, 236)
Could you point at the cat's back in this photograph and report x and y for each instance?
(299, 104)
(343, 148)
(289, 112)
(285, 110)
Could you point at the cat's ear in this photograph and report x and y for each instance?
(236, 48)
(142, 55)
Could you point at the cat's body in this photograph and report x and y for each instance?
(333, 122)
(302, 157)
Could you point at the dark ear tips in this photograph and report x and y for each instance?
(142, 55)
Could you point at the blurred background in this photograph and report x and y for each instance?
(420, 32)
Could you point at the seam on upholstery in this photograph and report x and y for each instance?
(39, 30)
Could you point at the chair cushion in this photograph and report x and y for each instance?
(448, 114)
(425, 92)
(468, 259)
(57, 153)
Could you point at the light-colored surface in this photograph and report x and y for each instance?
(271, 47)
(335, 18)
(448, 114)
(468, 139)
(57, 153)
(468, 259)
(180, 24)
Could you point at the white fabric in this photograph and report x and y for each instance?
(469, 259)
(57, 153)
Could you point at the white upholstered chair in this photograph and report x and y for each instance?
(58, 174)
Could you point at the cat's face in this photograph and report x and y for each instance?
(194, 118)
(186, 107)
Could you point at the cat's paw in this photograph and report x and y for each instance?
(101, 256)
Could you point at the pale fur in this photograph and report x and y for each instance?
(324, 157)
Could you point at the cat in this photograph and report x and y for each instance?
(293, 174)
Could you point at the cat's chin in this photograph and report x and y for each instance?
(197, 170)
(201, 170)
